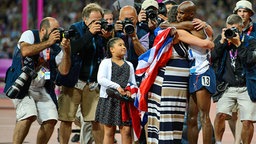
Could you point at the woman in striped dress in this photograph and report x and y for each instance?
(167, 97)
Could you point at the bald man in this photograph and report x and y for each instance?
(202, 79)
(39, 102)
(132, 42)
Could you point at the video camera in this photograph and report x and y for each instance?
(128, 26)
(231, 32)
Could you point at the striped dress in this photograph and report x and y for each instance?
(167, 104)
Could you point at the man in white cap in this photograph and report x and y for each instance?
(148, 18)
(244, 9)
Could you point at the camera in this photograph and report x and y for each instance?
(104, 25)
(162, 9)
(21, 81)
(151, 14)
(231, 32)
(128, 26)
(68, 34)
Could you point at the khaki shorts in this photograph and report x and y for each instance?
(237, 96)
(71, 98)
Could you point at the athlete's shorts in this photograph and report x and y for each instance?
(207, 80)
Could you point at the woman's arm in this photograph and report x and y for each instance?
(190, 39)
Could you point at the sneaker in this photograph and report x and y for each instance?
(75, 138)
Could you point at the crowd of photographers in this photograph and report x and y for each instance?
(87, 33)
(68, 11)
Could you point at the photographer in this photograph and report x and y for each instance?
(109, 28)
(39, 101)
(245, 10)
(90, 46)
(127, 29)
(148, 19)
(234, 53)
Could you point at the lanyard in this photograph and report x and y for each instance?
(233, 55)
(249, 31)
(48, 54)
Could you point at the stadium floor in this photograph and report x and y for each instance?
(7, 123)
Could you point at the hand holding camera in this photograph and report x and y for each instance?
(232, 35)
(142, 16)
(54, 36)
(65, 43)
(95, 27)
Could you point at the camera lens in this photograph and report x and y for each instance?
(151, 14)
(20, 82)
(230, 33)
(129, 28)
(14, 90)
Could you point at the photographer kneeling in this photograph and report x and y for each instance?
(235, 55)
(41, 56)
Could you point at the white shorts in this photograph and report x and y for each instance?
(239, 96)
(38, 103)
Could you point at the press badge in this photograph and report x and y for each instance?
(43, 73)
(47, 75)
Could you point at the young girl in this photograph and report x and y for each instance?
(115, 72)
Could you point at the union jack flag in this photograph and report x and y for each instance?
(150, 62)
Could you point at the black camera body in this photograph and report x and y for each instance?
(128, 26)
(231, 32)
(162, 9)
(26, 75)
(104, 25)
(151, 14)
(68, 34)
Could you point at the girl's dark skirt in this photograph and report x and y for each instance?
(109, 112)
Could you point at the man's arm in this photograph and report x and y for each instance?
(33, 49)
(218, 48)
(139, 49)
(65, 64)
(196, 27)
(248, 52)
(186, 25)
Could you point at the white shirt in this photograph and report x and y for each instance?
(28, 37)
(201, 56)
(104, 76)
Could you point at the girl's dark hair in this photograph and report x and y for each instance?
(110, 44)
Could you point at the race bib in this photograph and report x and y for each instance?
(206, 80)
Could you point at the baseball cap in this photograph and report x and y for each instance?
(147, 3)
(243, 4)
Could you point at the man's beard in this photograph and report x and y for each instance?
(45, 37)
